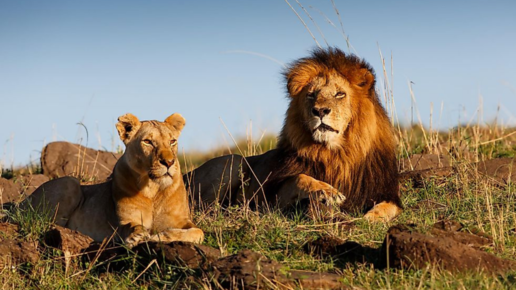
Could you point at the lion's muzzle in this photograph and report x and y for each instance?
(320, 112)
(325, 128)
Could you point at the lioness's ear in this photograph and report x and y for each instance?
(176, 121)
(127, 127)
(298, 76)
(366, 79)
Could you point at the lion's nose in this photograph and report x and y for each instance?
(321, 112)
(167, 162)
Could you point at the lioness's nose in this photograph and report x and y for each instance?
(321, 112)
(167, 162)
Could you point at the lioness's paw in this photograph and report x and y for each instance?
(192, 235)
(136, 238)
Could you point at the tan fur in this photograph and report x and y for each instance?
(383, 211)
(336, 144)
(146, 198)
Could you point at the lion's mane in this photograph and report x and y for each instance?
(363, 166)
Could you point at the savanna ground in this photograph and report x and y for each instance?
(464, 196)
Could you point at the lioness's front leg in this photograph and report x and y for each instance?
(135, 235)
(135, 218)
(303, 186)
(193, 235)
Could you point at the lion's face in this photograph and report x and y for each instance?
(327, 93)
(327, 108)
(151, 146)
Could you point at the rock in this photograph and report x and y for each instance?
(499, 169)
(418, 176)
(474, 241)
(60, 159)
(244, 270)
(71, 243)
(452, 252)
(16, 189)
(251, 270)
(324, 246)
(14, 253)
(67, 240)
(424, 161)
(184, 254)
(9, 190)
(31, 182)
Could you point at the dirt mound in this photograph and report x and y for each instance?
(8, 230)
(66, 159)
(448, 247)
(14, 252)
(424, 161)
(447, 250)
(9, 191)
(31, 182)
(254, 271)
(343, 252)
(15, 189)
(246, 268)
(179, 253)
(421, 167)
(502, 170)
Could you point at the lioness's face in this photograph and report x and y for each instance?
(327, 107)
(151, 146)
(156, 145)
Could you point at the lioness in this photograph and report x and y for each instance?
(145, 199)
(337, 144)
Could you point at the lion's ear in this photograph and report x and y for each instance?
(366, 79)
(127, 127)
(299, 76)
(176, 121)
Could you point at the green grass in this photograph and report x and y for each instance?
(283, 236)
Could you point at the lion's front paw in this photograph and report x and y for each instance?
(383, 212)
(330, 195)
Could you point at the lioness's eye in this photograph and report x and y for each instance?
(173, 142)
(147, 142)
(340, 95)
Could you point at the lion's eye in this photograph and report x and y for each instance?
(340, 95)
(147, 142)
(311, 95)
(173, 142)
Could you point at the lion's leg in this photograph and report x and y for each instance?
(384, 211)
(217, 180)
(303, 186)
(57, 198)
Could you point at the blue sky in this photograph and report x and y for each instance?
(69, 62)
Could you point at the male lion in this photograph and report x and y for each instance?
(146, 198)
(336, 145)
